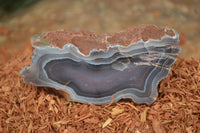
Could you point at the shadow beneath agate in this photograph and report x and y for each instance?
(126, 100)
(52, 91)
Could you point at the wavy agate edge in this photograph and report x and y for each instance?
(158, 54)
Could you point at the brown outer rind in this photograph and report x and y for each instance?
(87, 40)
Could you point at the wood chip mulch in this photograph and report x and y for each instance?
(26, 108)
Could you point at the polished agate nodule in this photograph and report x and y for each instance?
(100, 68)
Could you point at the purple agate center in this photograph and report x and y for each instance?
(97, 80)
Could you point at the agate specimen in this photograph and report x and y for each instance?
(100, 68)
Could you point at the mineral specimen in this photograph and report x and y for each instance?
(100, 68)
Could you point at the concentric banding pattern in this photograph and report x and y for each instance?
(120, 72)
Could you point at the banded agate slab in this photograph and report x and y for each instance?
(100, 68)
